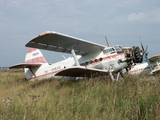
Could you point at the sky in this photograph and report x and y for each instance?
(119, 20)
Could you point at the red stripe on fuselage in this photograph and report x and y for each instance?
(113, 56)
(45, 75)
(105, 58)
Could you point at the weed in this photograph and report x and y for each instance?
(136, 97)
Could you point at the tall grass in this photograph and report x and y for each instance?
(136, 97)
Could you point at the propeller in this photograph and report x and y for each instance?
(107, 41)
(145, 53)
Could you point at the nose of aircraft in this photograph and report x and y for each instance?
(138, 55)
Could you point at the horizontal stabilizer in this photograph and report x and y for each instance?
(80, 71)
(24, 65)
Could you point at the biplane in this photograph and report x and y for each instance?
(144, 67)
(88, 57)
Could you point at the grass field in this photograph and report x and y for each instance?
(136, 97)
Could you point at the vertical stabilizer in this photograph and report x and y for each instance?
(34, 56)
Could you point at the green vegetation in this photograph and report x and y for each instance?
(136, 97)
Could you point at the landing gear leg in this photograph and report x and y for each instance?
(112, 77)
(117, 77)
(122, 74)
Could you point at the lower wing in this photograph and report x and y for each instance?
(80, 71)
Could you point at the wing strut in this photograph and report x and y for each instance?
(75, 57)
(74, 54)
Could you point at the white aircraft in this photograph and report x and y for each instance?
(92, 58)
(144, 67)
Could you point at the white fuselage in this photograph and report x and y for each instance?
(104, 61)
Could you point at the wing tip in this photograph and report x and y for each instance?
(44, 33)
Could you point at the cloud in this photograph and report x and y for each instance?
(150, 16)
(135, 17)
(22, 20)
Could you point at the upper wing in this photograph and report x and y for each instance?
(80, 71)
(62, 43)
(154, 59)
(24, 65)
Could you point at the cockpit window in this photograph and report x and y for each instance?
(114, 49)
(109, 50)
(118, 48)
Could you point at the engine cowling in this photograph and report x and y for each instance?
(137, 55)
(134, 55)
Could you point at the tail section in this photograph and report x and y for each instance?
(34, 64)
(34, 56)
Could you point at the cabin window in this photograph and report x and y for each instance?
(96, 60)
(86, 63)
(100, 59)
(91, 62)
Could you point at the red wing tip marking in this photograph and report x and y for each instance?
(44, 33)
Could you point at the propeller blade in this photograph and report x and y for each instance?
(145, 53)
(148, 62)
(107, 41)
(141, 43)
(142, 47)
(146, 47)
(143, 59)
